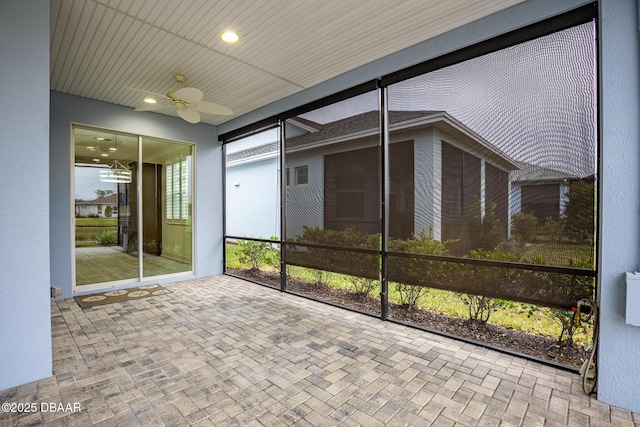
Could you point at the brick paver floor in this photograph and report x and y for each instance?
(224, 352)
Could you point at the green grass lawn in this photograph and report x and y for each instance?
(559, 253)
(88, 229)
(513, 315)
(96, 222)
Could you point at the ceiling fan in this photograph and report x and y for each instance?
(186, 100)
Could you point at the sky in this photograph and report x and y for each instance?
(535, 101)
(87, 183)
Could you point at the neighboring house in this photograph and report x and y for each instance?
(252, 192)
(438, 167)
(540, 191)
(98, 207)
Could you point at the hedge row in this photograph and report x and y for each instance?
(361, 257)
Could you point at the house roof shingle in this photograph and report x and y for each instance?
(369, 121)
(533, 173)
(367, 124)
(109, 200)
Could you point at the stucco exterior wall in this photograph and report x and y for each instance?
(619, 204)
(253, 199)
(207, 225)
(25, 312)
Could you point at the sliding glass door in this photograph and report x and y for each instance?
(166, 207)
(133, 208)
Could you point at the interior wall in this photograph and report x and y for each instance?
(619, 208)
(68, 109)
(25, 310)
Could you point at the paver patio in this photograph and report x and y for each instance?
(220, 351)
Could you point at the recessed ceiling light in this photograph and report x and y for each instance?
(113, 149)
(104, 155)
(100, 139)
(229, 37)
(149, 100)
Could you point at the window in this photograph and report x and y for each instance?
(461, 192)
(177, 197)
(351, 189)
(497, 193)
(345, 184)
(543, 201)
(302, 175)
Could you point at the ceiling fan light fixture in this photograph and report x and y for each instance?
(117, 172)
(229, 37)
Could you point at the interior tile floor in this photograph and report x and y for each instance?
(95, 264)
(224, 352)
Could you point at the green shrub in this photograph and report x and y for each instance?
(579, 212)
(321, 277)
(414, 276)
(410, 294)
(485, 231)
(524, 226)
(578, 287)
(421, 244)
(480, 307)
(349, 237)
(255, 253)
(485, 279)
(107, 238)
(362, 285)
(354, 263)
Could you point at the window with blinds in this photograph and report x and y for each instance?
(177, 185)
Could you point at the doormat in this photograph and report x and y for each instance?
(120, 295)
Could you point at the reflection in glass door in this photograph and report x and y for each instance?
(103, 227)
(125, 207)
(166, 207)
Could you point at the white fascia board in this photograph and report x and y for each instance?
(253, 159)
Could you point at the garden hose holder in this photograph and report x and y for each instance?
(587, 310)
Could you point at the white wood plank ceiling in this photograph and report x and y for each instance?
(101, 48)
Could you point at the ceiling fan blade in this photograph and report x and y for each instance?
(190, 94)
(211, 108)
(189, 114)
